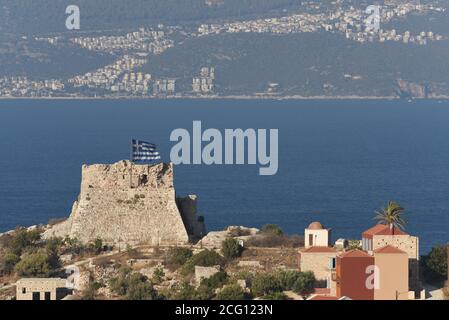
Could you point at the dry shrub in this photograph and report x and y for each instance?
(273, 241)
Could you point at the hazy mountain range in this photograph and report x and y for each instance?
(270, 48)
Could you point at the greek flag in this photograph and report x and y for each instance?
(143, 151)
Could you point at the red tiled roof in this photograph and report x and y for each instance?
(317, 297)
(319, 250)
(355, 254)
(322, 290)
(388, 249)
(381, 229)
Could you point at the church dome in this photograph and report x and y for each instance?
(315, 226)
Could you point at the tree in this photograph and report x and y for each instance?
(52, 247)
(23, 239)
(34, 265)
(231, 249)
(305, 283)
(391, 216)
(288, 278)
(436, 262)
(264, 284)
(8, 263)
(232, 292)
(354, 244)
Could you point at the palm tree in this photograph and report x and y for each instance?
(391, 216)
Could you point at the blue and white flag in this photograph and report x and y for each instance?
(143, 151)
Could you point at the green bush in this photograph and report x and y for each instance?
(8, 263)
(246, 275)
(139, 288)
(435, 264)
(232, 292)
(133, 286)
(90, 293)
(185, 292)
(52, 247)
(206, 258)
(287, 279)
(34, 265)
(305, 283)
(264, 284)
(216, 281)
(231, 249)
(119, 284)
(158, 275)
(97, 245)
(269, 284)
(272, 229)
(23, 239)
(178, 256)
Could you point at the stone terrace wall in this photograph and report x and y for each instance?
(124, 203)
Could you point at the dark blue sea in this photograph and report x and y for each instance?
(339, 161)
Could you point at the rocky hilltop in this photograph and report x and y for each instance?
(125, 203)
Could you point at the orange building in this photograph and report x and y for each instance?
(353, 270)
(392, 274)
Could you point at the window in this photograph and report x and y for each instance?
(47, 296)
(24, 290)
(332, 263)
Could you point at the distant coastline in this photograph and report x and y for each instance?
(231, 97)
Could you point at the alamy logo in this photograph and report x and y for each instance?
(373, 278)
(73, 21)
(373, 20)
(189, 149)
(73, 277)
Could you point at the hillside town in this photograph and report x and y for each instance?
(350, 22)
(160, 249)
(128, 76)
(24, 87)
(143, 40)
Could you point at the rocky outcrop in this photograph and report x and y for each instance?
(125, 203)
(409, 89)
(214, 239)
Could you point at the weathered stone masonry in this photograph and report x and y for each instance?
(125, 203)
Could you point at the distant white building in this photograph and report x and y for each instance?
(316, 235)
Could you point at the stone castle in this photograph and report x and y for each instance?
(125, 203)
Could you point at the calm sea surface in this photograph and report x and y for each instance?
(339, 161)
